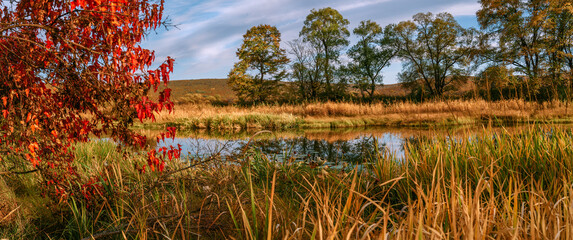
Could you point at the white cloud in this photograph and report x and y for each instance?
(463, 9)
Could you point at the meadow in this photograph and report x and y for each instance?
(70, 167)
(494, 183)
(210, 104)
(487, 185)
(345, 114)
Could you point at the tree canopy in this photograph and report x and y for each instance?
(72, 70)
(517, 27)
(434, 48)
(305, 70)
(372, 53)
(326, 29)
(531, 39)
(533, 36)
(261, 55)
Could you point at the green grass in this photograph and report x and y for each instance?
(486, 185)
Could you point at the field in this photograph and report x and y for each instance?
(496, 185)
(218, 88)
(205, 89)
(343, 115)
(200, 90)
(204, 104)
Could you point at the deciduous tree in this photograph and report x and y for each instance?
(261, 64)
(435, 49)
(326, 29)
(370, 55)
(517, 29)
(71, 71)
(558, 33)
(494, 80)
(306, 70)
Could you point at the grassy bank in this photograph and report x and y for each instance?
(489, 185)
(340, 115)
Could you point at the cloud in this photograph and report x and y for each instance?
(464, 9)
(209, 32)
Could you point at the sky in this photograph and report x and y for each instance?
(207, 33)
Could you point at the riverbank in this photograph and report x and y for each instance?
(344, 115)
(498, 185)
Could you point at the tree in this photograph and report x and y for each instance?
(72, 70)
(370, 55)
(327, 31)
(260, 53)
(517, 29)
(558, 31)
(306, 70)
(435, 49)
(494, 81)
(534, 36)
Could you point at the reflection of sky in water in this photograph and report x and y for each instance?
(301, 148)
(332, 146)
(199, 147)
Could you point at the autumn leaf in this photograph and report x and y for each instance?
(71, 67)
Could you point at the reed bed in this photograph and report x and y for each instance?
(344, 114)
(492, 185)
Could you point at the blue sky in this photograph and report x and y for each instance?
(209, 32)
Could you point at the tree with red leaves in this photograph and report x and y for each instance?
(72, 70)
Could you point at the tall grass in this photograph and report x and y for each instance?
(508, 185)
(344, 114)
(494, 185)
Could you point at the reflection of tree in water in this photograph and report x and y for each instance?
(353, 151)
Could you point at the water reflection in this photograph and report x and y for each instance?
(333, 146)
(302, 148)
(319, 151)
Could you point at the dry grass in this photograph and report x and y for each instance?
(459, 108)
(492, 186)
(446, 189)
(195, 109)
(8, 206)
(334, 114)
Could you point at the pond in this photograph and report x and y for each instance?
(335, 146)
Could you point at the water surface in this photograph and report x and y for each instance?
(334, 146)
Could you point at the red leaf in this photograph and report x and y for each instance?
(49, 44)
(85, 58)
(170, 62)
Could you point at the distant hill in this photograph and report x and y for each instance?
(203, 87)
(392, 90)
(218, 88)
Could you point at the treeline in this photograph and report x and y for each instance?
(523, 49)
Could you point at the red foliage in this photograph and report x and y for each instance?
(72, 70)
